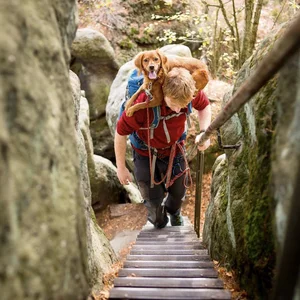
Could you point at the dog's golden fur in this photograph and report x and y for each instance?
(154, 65)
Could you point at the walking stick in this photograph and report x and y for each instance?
(198, 192)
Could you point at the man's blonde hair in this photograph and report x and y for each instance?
(179, 85)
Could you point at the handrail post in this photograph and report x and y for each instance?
(198, 192)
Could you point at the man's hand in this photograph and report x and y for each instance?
(124, 175)
(205, 145)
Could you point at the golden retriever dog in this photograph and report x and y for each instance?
(154, 65)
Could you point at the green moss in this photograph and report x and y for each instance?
(126, 44)
(257, 238)
(133, 31)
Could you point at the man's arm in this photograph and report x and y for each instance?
(204, 117)
(120, 152)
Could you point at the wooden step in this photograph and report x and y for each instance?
(167, 238)
(168, 263)
(169, 252)
(168, 272)
(168, 293)
(167, 242)
(169, 282)
(145, 235)
(168, 229)
(170, 245)
(168, 257)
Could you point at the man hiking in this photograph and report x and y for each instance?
(160, 164)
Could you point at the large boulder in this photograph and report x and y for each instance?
(240, 216)
(97, 69)
(106, 187)
(93, 60)
(103, 181)
(43, 253)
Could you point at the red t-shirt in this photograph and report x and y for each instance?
(175, 126)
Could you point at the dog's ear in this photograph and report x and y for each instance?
(138, 61)
(164, 60)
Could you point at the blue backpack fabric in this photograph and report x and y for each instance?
(133, 84)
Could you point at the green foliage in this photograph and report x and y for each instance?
(203, 35)
(126, 44)
(294, 5)
(134, 31)
(221, 39)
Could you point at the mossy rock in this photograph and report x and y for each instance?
(249, 209)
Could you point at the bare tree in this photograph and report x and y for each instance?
(243, 40)
(252, 16)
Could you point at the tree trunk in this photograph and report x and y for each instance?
(248, 19)
(255, 25)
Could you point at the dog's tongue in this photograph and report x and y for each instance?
(152, 75)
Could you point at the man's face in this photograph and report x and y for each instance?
(173, 105)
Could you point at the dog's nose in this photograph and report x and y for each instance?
(151, 68)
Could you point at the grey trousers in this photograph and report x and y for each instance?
(153, 197)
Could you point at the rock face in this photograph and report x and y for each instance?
(93, 60)
(100, 254)
(239, 220)
(97, 67)
(102, 174)
(287, 148)
(45, 238)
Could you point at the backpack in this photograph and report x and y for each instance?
(133, 84)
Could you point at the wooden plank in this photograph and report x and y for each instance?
(168, 252)
(185, 220)
(196, 273)
(168, 264)
(211, 283)
(167, 242)
(170, 239)
(163, 247)
(169, 257)
(169, 229)
(165, 236)
(145, 235)
(167, 293)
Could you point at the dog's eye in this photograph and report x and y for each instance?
(156, 59)
(146, 60)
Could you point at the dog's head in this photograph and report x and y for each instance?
(150, 63)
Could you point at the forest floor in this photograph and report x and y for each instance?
(134, 217)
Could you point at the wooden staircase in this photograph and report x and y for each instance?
(168, 263)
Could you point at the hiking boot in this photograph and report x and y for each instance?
(163, 224)
(157, 215)
(176, 219)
